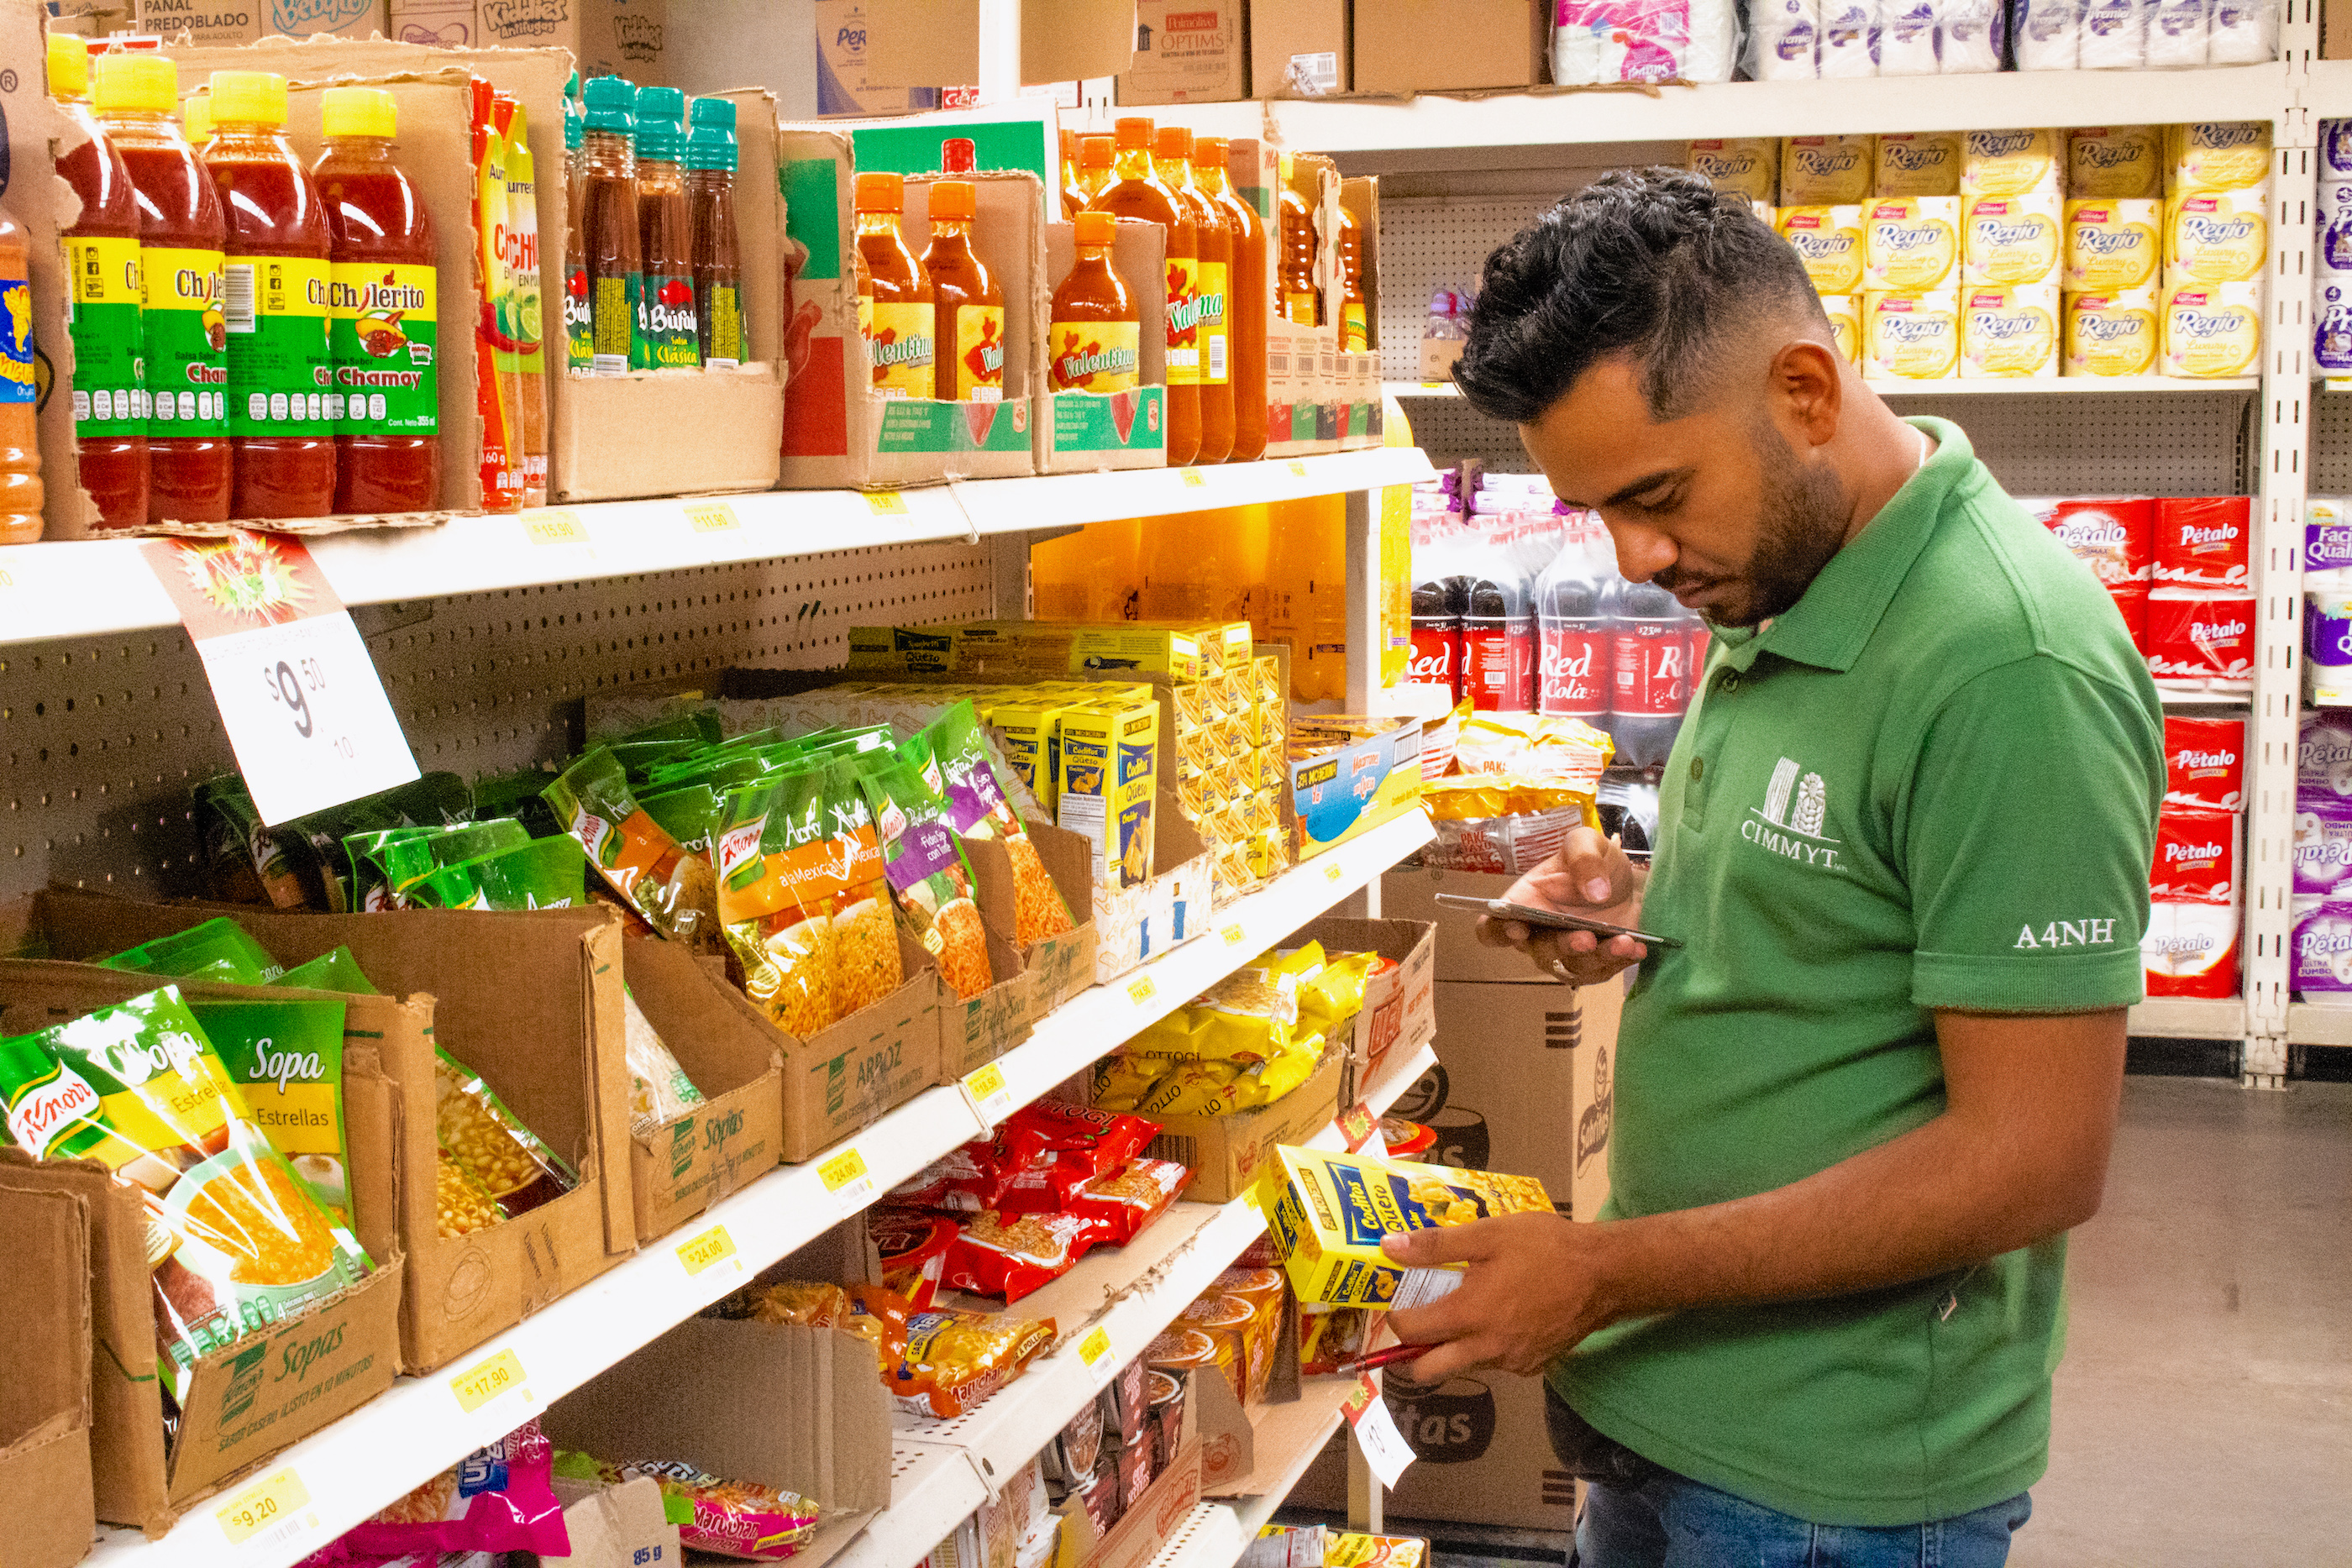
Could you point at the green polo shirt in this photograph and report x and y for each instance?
(1932, 783)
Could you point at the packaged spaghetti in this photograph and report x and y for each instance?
(777, 885)
(866, 966)
(954, 1361)
(1010, 1255)
(952, 755)
(218, 949)
(235, 1240)
(674, 891)
(499, 1498)
(659, 1090)
(1117, 1206)
(491, 1142)
(731, 1518)
(925, 862)
(914, 1248)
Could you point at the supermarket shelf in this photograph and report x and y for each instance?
(418, 1427)
(2053, 386)
(1285, 1440)
(2310, 1023)
(1212, 1536)
(1130, 1295)
(2327, 91)
(2191, 1018)
(96, 588)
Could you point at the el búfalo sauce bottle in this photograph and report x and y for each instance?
(608, 225)
(182, 329)
(711, 237)
(277, 273)
(578, 340)
(1246, 296)
(968, 307)
(1205, 307)
(1137, 192)
(383, 301)
(1094, 342)
(673, 340)
(103, 290)
(900, 323)
(21, 494)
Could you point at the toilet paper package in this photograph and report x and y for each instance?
(2322, 844)
(2008, 333)
(1596, 41)
(1849, 39)
(2205, 542)
(2202, 637)
(2113, 244)
(2115, 35)
(1911, 336)
(2191, 948)
(2204, 762)
(2023, 162)
(2177, 33)
(1970, 35)
(2242, 33)
(2319, 964)
(2217, 236)
(1910, 243)
(1783, 40)
(1844, 311)
(2049, 34)
(1745, 166)
(2323, 761)
(1825, 170)
(2116, 334)
(1908, 34)
(2331, 341)
(2212, 330)
(2012, 239)
(2121, 161)
(2229, 155)
(2328, 643)
(2335, 150)
(1828, 240)
(1917, 164)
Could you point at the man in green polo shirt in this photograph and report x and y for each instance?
(1902, 847)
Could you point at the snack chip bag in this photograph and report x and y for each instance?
(499, 1498)
(731, 1518)
(952, 1361)
(1010, 1255)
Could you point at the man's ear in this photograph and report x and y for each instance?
(1807, 386)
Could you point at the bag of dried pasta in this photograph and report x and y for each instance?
(491, 1142)
(499, 1498)
(866, 966)
(952, 756)
(776, 888)
(671, 889)
(925, 862)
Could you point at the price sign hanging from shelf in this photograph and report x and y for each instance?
(304, 708)
(1384, 1447)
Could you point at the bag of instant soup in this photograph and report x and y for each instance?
(866, 964)
(925, 862)
(776, 889)
(670, 888)
(952, 756)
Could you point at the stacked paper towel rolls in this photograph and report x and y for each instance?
(2331, 291)
(2115, 249)
(2143, 35)
(2012, 199)
(1805, 39)
(1831, 177)
(1596, 41)
(2217, 183)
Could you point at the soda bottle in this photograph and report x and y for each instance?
(1576, 655)
(1653, 673)
(1498, 631)
(1440, 605)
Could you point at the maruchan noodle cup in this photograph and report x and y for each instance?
(2115, 163)
(2113, 243)
(2216, 236)
(2204, 541)
(2229, 156)
(1746, 166)
(1917, 164)
(2194, 634)
(2010, 164)
(1844, 311)
(2009, 330)
(1911, 336)
(2204, 762)
(1828, 240)
(2212, 330)
(2115, 536)
(1825, 170)
(2012, 239)
(2115, 334)
(1910, 243)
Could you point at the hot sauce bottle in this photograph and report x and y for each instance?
(1095, 343)
(279, 371)
(608, 224)
(1302, 301)
(1172, 161)
(578, 340)
(1074, 194)
(968, 309)
(1138, 193)
(196, 118)
(20, 452)
(1355, 321)
(710, 231)
(1246, 296)
(673, 337)
(383, 322)
(902, 319)
(1095, 158)
(101, 269)
(183, 334)
(959, 155)
(522, 337)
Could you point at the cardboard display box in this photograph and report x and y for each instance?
(614, 1527)
(1399, 1015)
(1359, 371)
(223, 22)
(1149, 1523)
(1079, 431)
(2335, 29)
(1226, 1152)
(1490, 45)
(848, 1076)
(46, 1514)
(1302, 368)
(1187, 51)
(845, 83)
(1299, 48)
(604, 38)
(1349, 787)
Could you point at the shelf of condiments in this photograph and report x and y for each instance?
(2100, 252)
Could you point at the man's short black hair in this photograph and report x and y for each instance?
(1653, 263)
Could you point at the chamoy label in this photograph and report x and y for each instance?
(280, 372)
(2009, 332)
(2012, 239)
(2216, 236)
(2212, 330)
(1355, 328)
(980, 352)
(1911, 336)
(1095, 356)
(187, 335)
(1828, 240)
(1184, 323)
(2111, 334)
(719, 307)
(1211, 279)
(2109, 161)
(384, 329)
(673, 332)
(900, 342)
(2113, 244)
(16, 377)
(1911, 242)
(110, 395)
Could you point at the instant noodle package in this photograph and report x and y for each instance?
(934, 1361)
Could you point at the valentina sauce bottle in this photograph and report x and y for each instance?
(182, 330)
(968, 306)
(1245, 296)
(279, 371)
(1095, 345)
(897, 309)
(1205, 309)
(1138, 193)
(101, 263)
(383, 298)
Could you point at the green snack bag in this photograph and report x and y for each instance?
(217, 949)
(545, 873)
(287, 1058)
(331, 971)
(952, 754)
(634, 853)
(244, 860)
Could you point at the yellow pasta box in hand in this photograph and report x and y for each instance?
(1109, 779)
(1327, 1211)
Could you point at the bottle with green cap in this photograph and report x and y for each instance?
(711, 229)
(578, 342)
(608, 224)
(673, 337)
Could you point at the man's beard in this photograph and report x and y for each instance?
(1804, 513)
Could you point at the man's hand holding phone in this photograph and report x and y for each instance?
(1588, 876)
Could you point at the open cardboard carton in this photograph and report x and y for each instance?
(614, 1527)
(1082, 432)
(850, 1073)
(1302, 362)
(45, 1506)
(1400, 1011)
(1228, 1153)
(530, 1002)
(801, 1409)
(1149, 1523)
(836, 431)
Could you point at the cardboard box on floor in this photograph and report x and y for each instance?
(1188, 51)
(1299, 48)
(1080, 432)
(530, 1001)
(737, 1135)
(224, 22)
(1490, 45)
(45, 1508)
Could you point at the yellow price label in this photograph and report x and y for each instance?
(265, 1505)
(1194, 479)
(1334, 871)
(713, 1245)
(842, 1169)
(986, 1083)
(712, 516)
(555, 528)
(1141, 991)
(485, 1380)
(1233, 934)
(885, 502)
(1298, 467)
(1095, 1349)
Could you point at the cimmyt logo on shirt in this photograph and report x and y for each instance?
(1793, 819)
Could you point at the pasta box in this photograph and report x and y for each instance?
(1350, 774)
(45, 1510)
(1328, 1212)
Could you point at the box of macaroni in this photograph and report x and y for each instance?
(1327, 1211)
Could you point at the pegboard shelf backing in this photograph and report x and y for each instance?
(106, 735)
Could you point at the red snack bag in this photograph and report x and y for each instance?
(499, 1498)
(2205, 541)
(2204, 762)
(2115, 536)
(1080, 1136)
(914, 1248)
(1120, 1206)
(2200, 636)
(1010, 1255)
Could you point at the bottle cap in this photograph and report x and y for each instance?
(611, 102)
(1095, 228)
(1208, 151)
(196, 115)
(953, 201)
(1173, 141)
(69, 66)
(957, 156)
(1133, 132)
(248, 98)
(659, 111)
(575, 124)
(1097, 152)
(710, 133)
(358, 112)
(137, 82)
(881, 192)
(572, 84)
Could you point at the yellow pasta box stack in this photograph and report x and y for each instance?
(1107, 783)
(1326, 1213)
(1027, 727)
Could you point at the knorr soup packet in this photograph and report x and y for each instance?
(673, 890)
(286, 1059)
(235, 1239)
(491, 1143)
(952, 757)
(866, 966)
(545, 874)
(335, 970)
(218, 949)
(925, 862)
(777, 883)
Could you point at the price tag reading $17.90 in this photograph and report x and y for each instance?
(1384, 1447)
(299, 695)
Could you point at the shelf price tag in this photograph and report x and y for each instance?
(1141, 989)
(1194, 479)
(992, 1097)
(712, 516)
(1334, 871)
(846, 1176)
(714, 1246)
(554, 528)
(1095, 1351)
(270, 1512)
(486, 1380)
(1233, 934)
(299, 696)
(1298, 467)
(1359, 1126)
(885, 502)
(1383, 1446)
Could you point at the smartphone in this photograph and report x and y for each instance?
(1549, 919)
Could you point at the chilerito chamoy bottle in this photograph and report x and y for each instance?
(1211, 291)
(1137, 192)
(968, 307)
(101, 263)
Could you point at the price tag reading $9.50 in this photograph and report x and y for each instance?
(1383, 1446)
